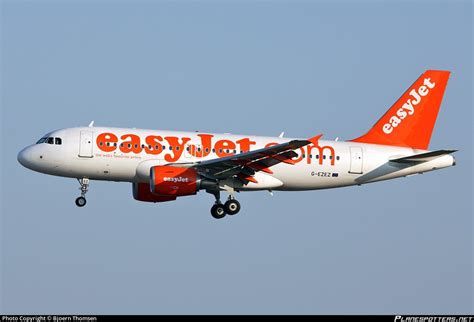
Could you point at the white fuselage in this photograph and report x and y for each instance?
(84, 153)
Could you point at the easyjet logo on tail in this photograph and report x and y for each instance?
(408, 108)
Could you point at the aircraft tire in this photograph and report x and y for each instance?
(81, 201)
(218, 211)
(232, 207)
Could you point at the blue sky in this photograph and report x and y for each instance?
(401, 246)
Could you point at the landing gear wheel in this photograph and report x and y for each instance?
(81, 202)
(218, 211)
(232, 207)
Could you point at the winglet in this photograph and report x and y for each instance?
(315, 139)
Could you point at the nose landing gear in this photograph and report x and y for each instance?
(81, 201)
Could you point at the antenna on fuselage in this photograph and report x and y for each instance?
(281, 134)
(91, 124)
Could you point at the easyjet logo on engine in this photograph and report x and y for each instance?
(175, 179)
(173, 147)
(408, 108)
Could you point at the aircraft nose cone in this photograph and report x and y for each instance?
(24, 157)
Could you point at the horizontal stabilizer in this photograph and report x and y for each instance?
(423, 157)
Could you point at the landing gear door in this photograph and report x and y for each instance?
(356, 160)
(85, 144)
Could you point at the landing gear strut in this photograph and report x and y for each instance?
(81, 201)
(219, 210)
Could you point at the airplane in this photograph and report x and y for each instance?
(165, 165)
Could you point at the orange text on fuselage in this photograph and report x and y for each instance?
(173, 147)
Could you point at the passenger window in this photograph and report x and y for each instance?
(58, 141)
(50, 141)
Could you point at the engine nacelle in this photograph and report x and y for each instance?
(142, 192)
(173, 181)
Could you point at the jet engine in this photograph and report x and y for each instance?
(173, 181)
(166, 183)
(142, 192)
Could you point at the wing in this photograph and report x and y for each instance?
(244, 165)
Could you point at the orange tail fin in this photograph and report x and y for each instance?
(410, 121)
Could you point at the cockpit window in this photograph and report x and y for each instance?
(50, 140)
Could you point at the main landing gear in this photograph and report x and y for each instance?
(81, 201)
(219, 210)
